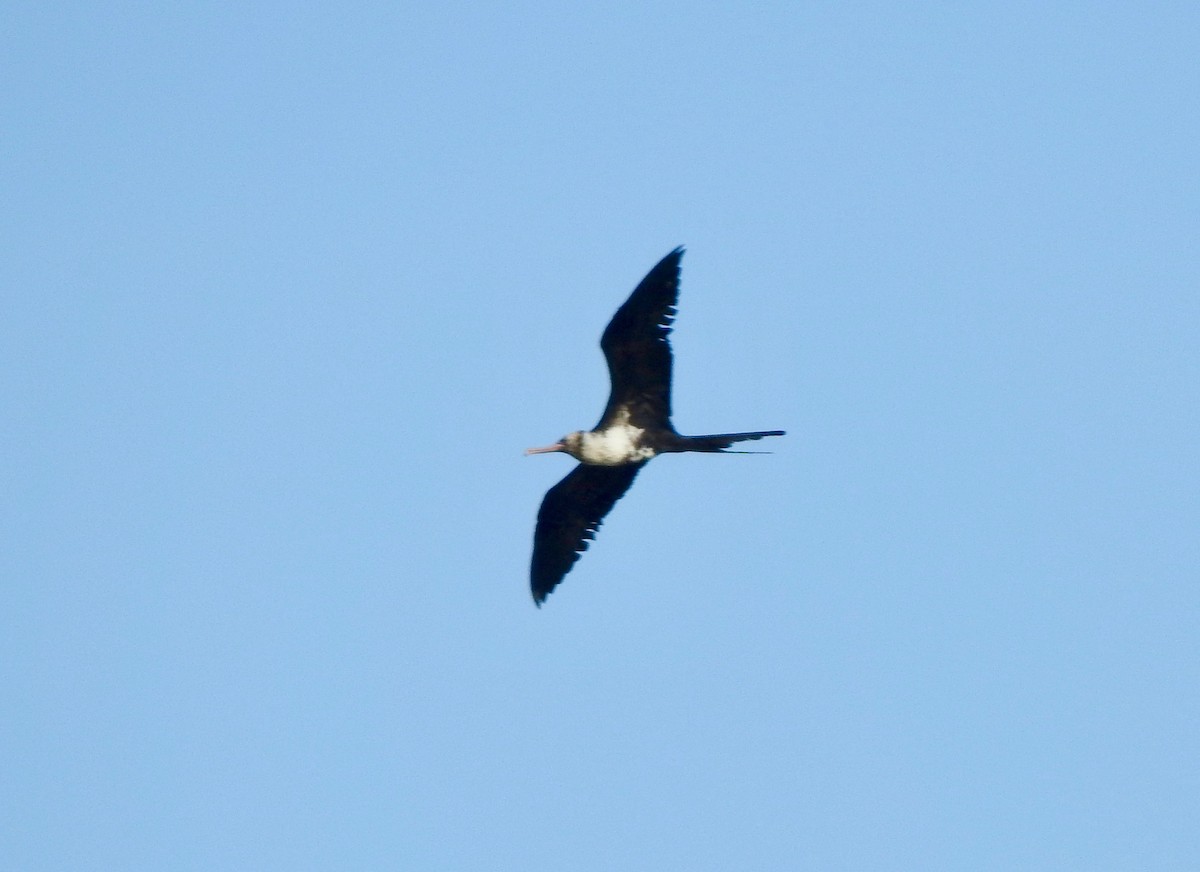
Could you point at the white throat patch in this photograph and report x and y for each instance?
(615, 446)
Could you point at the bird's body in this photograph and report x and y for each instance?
(635, 427)
(617, 444)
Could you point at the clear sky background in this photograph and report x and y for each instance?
(287, 290)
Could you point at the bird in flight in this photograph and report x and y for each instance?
(635, 426)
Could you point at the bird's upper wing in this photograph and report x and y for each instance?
(638, 352)
(569, 518)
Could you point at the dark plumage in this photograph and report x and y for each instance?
(635, 426)
(638, 352)
(570, 515)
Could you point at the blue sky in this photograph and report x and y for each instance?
(287, 291)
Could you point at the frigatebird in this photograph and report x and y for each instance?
(635, 426)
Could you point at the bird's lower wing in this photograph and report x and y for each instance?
(570, 515)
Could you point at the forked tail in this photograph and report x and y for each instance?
(722, 441)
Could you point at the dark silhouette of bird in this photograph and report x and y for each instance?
(635, 426)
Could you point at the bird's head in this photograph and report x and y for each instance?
(571, 444)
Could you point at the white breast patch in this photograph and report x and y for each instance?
(615, 446)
